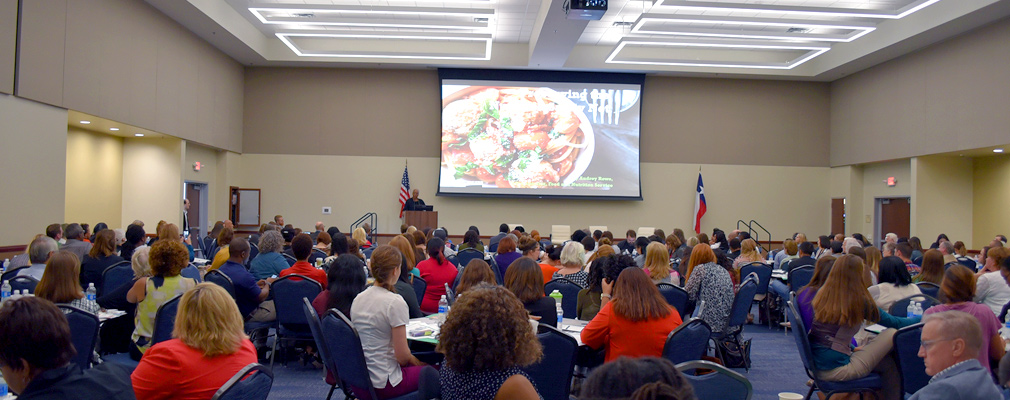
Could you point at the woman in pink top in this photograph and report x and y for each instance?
(957, 291)
(436, 272)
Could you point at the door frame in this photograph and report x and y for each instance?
(204, 205)
(877, 220)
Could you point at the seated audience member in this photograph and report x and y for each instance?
(802, 258)
(603, 251)
(380, 316)
(323, 241)
(657, 264)
(530, 247)
(609, 268)
(37, 365)
(405, 289)
(805, 296)
(634, 320)
(990, 288)
(640, 245)
(55, 231)
(471, 240)
(75, 236)
(873, 258)
(38, 253)
(932, 268)
(403, 244)
(734, 249)
(23, 259)
(479, 366)
(319, 229)
(301, 246)
(361, 236)
(916, 247)
(718, 241)
(436, 272)
(646, 378)
(527, 283)
(956, 293)
(135, 238)
(836, 247)
(98, 228)
(960, 249)
(589, 244)
(904, 252)
(167, 260)
(503, 230)
(894, 283)
(269, 262)
(170, 231)
(477, 271)
(250, 294)
(102, 255)
(222, 255)
(840, 307)
(506, 254)
(338, 246)
(823, 247)
(344, 280)
(573, 258)
(748, 254)
(551, 261)
(788, 253)
(449, 250)
(116, 333)
(951, 343)
(710, 282)
(60, 283)
(420, 242)
(208, 347)
(946, 249)
(628, 244)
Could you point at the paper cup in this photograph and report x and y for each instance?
(790, 396)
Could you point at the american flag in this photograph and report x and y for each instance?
(404, 189)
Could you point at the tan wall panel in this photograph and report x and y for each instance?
(209, 173)
(8, 44)
(947, 97)
(40, 66)
(943, 198)
(669, 196)
(94, 178)
(32, 167)
(152, 181)
(990, 191)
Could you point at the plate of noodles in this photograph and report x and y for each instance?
(514, 137)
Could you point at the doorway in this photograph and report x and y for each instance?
(198, 194)
(244, 207)
(893, 216)
(837, 216)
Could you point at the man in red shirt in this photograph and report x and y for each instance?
(301, 245)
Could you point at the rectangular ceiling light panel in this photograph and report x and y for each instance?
(750, 28)
(437, 46)
(800, 10)
(376, 16)
(805, 52)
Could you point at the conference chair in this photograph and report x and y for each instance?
(429, 387)
(738, 314)
(552, 376)
(917, 261)
(164, 320)
(10, 274)
(570, 295)
(560, 233)
(115, 276)
(83, 332)
(324, 352)
(601, 228)
(688, 342)
(419, 287)
(764, 276)
(867, 383)
(929, 288)
(967, 262)
(289, 258)
(800, 276)
(675, 296)
(219, 278)
(23, 282)
(900, 307)
(254, 251)
(906, 350)
(192, 272)
(722, 384)
(252, 382)
(646, 231)
(450, 295)
(698, 309)
(463, 257)
(344, 345)
(288, 292)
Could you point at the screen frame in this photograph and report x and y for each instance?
(542, 76)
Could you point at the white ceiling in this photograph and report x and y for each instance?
(782, 39)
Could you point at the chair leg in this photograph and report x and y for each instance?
(273, 351)
(334, 386)
(810, 392)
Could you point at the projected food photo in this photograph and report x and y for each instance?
(514, 137)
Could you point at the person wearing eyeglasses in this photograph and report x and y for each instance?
(951, 343)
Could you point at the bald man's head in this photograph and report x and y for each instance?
(238, 249)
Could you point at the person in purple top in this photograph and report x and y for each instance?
(506, 254)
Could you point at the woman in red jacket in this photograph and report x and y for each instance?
(634, 319)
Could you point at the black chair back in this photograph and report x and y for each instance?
(900, 307)
(929, 288)
(552, 376)
(800, 277)
(254, 251)
(344, 344)
(288, 293)
(220, 279)
(675, 296)
(317, 336)
(917, 261)
(722, 384)
(569, 295)
(83, 333)
(164, 320)
(742, 302)
(11, 274)
(688, 342)
(419, 287)
(967, 262)
(906, 349)
(191, 272)
(115, 276)
(289, 258)
(252, 382)
(463, 257)
(450, 295)
(22, 283)
(763, 272)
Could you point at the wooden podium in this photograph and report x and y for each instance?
(421, 219)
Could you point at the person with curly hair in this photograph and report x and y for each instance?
(167, 258)
(479, 366)
(643, 378)
(610, 267)
(269, 262)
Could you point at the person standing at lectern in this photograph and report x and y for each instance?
(413, 203)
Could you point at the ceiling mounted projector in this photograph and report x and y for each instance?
(591, 10)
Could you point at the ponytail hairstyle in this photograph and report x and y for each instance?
(385, 259)
(435, 249)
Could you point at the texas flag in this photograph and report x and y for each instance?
(699, 205)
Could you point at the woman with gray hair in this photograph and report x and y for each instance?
(573, 259)
(269, 261)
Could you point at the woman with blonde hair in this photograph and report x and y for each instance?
(224, 239)
(402, 243)
(710, 282)
(362, 238)
(873, 257)
(60, 283)
(573, 259)
(748, 254)
(207, 349)
(657, 263)
(167, 258)
(602, 251)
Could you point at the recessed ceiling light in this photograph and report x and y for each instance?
(85, 122)
(138, 134)
(999, 150)
(113, 129)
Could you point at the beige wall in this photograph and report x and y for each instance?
(943, 198)
(94, 178)
(152, 181)
(847, 183)
(668, 192)
(125, 61)
(947, 97)
(874, 187)
(395, 113)
(212, 172)
(32, 167)
(991, 189)
(8, 43)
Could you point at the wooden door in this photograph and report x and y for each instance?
(837, 216)
(194, 194)
(895, 216)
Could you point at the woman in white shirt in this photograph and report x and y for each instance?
(380, 317)
(895, 283)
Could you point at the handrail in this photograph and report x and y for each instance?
(755, 233)
(741, 222)
(752, 223)
(372, 220)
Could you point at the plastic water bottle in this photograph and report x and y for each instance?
(918, 309)
(1004, 332)
(556, 294)
(443, 306)
(561, 315)
(92, 292)
(7, 264)
(910, 310)
(5, 291)
(3, 387)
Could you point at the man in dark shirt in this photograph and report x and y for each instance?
(413, 203)
(249, 294)
(734, 248)
(628, 244)
(492, 244)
